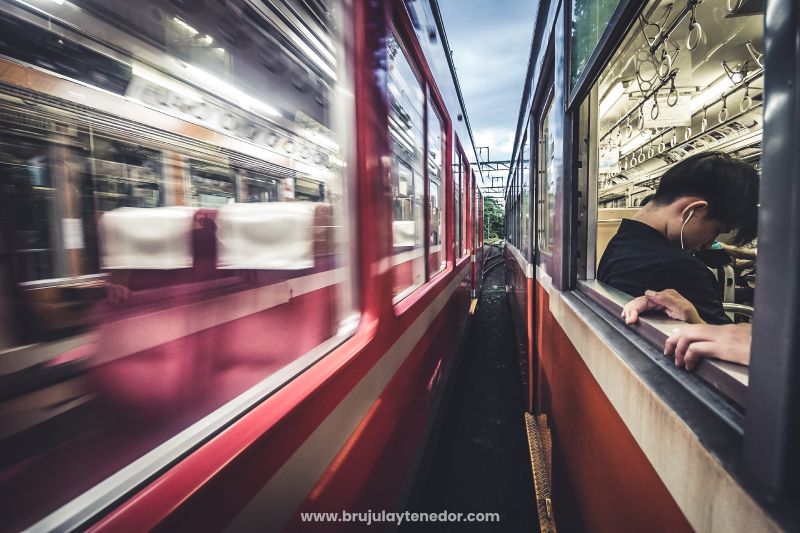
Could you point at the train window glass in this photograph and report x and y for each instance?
(482, 218)
(525, 207)
(512, 232)
(512, 192)
(669, 92)
(589, 20)
(476, 218)
(406, 131)
(476, 213)
(479, 216)
(457, 173)
(464, 199)
(160, 212)
(516, 206)
(211, 185)
(436, 192)
(546, 178)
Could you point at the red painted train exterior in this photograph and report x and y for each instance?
(639, 444)
(348, 429)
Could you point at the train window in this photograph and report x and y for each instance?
(589, 20)
(525, 207)
(464, 199)
(546, 178)
(482, 219)
(457, 177)
(473, 212)
(474, 217)
(512, 201)
(516, 203)
(161, 214)
(211, 185)
(478, 217)
(406, 130)
(436, 192)
(685, 81)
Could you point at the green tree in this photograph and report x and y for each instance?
(493, 219)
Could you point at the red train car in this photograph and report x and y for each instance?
(617, 93)
(240, 240)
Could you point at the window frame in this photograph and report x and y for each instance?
(722, 377)
(525, 246)
(465, 208)
(541, 185)
(457, 158)
(432, 102)
(413, 63)
(399, 24)
(772, 426)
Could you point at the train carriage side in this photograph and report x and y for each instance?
(240, 242)
(616, 94)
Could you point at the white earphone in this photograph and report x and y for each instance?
(684, 225)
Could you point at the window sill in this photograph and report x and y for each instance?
(730, 379)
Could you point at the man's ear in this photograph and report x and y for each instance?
(697, 206)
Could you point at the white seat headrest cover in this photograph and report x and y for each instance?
(266, 236)
(403, 233)
(147, 238)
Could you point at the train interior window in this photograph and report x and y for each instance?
(406, 131)
(212, 185)
(159, 212)
(436, 192)
(687, 79)
(546, 178)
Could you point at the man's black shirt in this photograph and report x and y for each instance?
(640, 258)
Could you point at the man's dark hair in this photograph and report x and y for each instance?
(728, 185)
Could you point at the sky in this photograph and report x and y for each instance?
(491, 42)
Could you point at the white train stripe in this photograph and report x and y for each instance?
(527, 268)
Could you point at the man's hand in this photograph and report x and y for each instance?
(730, 342)
(669, 301)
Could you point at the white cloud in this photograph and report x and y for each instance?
(499, 140)
(490, 40)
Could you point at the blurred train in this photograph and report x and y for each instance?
(240, 240)
(617, 92)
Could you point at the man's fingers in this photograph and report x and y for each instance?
(669, 345)
(680, 350)
(632, 309)
(696, 351)
(674, 308)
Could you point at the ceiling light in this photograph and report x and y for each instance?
(611, 98)
(185, 26)
(713, 92)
